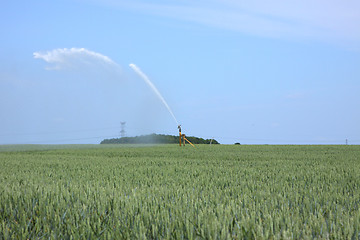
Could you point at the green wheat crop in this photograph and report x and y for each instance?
(168, 192)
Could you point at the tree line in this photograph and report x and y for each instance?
(157, 139)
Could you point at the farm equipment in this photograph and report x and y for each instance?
(182, 138)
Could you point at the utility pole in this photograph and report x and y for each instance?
(122, 132)
(346, 142)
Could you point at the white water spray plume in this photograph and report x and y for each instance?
(152, 86)
(64, 58)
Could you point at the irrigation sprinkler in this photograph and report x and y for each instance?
(182, 138)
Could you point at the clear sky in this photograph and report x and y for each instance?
(254, 72)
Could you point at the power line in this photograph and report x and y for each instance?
(49, 133)
(237, 139)
(65, 140)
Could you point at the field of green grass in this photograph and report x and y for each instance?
(168, 192)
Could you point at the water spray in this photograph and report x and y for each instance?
(182, 137)
(152, 86)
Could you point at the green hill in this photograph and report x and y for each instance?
(157, 139)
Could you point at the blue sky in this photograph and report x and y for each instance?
(255, 72)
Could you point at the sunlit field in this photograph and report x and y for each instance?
(168, 192)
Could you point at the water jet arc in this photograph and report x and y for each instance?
(152, 86)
